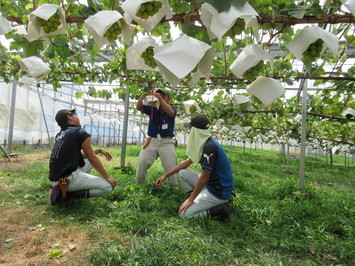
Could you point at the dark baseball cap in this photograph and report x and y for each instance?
(165, 93)
(199, 121)
(61, 116)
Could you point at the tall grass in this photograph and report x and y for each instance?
(272, 221)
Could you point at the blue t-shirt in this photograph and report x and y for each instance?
(66, 155)
(161, 123)
(214, 158)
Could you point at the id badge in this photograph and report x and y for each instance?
(158, 137)
(165, 126)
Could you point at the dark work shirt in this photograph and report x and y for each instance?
(66, 155)
(161, 123)
(214, 158)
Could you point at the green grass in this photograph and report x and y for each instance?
(272, 221)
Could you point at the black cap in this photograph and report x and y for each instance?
(61, 116)
(199, 121)
(165, 93)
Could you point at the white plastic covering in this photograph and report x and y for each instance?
(29, 124)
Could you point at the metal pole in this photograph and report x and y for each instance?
(125, 127)
(85, 111)
(12, 115)
(303, 136)
(140, 131)
(44, 116)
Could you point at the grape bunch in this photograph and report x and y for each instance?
(149, 9)
(193, 109)
(313, 51)
(147, 55)
(254, 71)
(236, 29)
(51, 24)
(113, 32)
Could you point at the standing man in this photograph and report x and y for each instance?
(160, 132)
(208, 193)
(72, 159)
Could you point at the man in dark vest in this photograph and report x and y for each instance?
(72, 159)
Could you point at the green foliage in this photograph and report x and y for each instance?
(236, 29)
(75, 57)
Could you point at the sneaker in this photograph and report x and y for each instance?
(56, 195)
(225, 212)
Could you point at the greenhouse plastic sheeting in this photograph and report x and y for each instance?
(29, 124)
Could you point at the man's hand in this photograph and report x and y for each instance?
(187, 203)
(107, 154)
(158, 96)
(144, 95)
(111, 181)
(159, 181)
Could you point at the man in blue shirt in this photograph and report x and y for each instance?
(208, 193)
(160, 132)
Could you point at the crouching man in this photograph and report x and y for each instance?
(71, 161)
(208, 193)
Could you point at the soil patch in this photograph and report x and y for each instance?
(24, 244)
(24, 159)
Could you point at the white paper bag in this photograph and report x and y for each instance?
(189, 103)
(5, 26)
(26, 81)
(45, 11)
(132, 6)
(218, 24)
(300, 43)
(150, 99)
(134, 52)
(241, 101)
(292, 142)
(178, 58)
(99, 23)
(237, 128)
(350, 4)
(349, 112)
(219, 122)
(248, 58)
(35, 67)
(267, 90)
(298, 118)
(246, 129)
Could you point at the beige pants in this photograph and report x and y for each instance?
(81, 179)
(203, 202)
(165, 149)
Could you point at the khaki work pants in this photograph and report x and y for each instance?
(165, 149)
